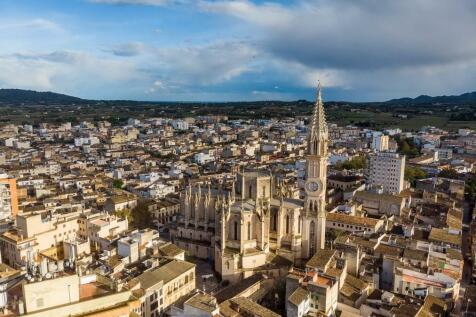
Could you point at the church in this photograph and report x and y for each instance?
(252, 226)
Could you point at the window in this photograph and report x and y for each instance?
(287, 224)
(39, 302)
(249, 230)
(235, 230)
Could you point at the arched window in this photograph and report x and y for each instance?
(249, 191)
(235, 230)
(275, 220)
(249, 230)
(287, 224)
(299, 224)
(312, 242)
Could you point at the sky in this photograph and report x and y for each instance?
(238, 50)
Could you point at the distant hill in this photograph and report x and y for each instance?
(31, 97)
(20, 96)
(469, 97)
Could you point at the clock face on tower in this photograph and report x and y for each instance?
(313, 186)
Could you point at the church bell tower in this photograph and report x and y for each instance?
(316, 176)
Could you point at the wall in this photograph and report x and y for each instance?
(51, 293)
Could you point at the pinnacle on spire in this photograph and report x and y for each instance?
(318, 124)
(319, 97)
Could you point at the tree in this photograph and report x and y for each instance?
(125, 213)
(414, 173)
(449, 173)
(470, 188)
(407, 147)
(141, 217)
(355, 163)
(117, 183)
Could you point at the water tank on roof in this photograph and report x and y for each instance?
(60, 265)
(52, 267)
(43, 266)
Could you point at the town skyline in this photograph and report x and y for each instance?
(237, 158)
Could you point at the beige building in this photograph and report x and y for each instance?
(356, 224)
(312, 293)
(386, 170)
(51, 293)
(101, 229)
(162, 286)
(36, 233)
(380, 204)
(69, 296)
(164, 210)
(120, 202)
(412, 282)
(380, 143)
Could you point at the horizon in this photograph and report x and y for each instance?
(238, 50)
(241, 101)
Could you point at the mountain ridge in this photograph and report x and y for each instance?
(31, 97)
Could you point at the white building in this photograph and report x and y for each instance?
(386, 170)
(86, 141)
(203, 158)
(180, 125)
(380, 143)
(133, 122)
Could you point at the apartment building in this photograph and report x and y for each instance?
(310, 293)
(8, 197)
(162, 286)
(102, 229)
(380, 143)
(386, 171)
(120, 202)
(35, 233)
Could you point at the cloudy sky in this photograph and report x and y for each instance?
(220, 50)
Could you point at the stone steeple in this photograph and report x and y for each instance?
(316, 178)
(318, 126)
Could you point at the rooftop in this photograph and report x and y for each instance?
(243, 303)
(298, 296)
(442, 235)
(352, 220)
(321, 259)
(164, 273)
(203, 302)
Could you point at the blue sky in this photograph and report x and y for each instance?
(220, 50)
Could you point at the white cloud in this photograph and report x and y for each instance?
(63, 71)
(135, 2)
(203, 65)
(365, 44)
(33, 24)
(267, 14)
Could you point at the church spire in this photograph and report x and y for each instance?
(318, 125)
(318, 135)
